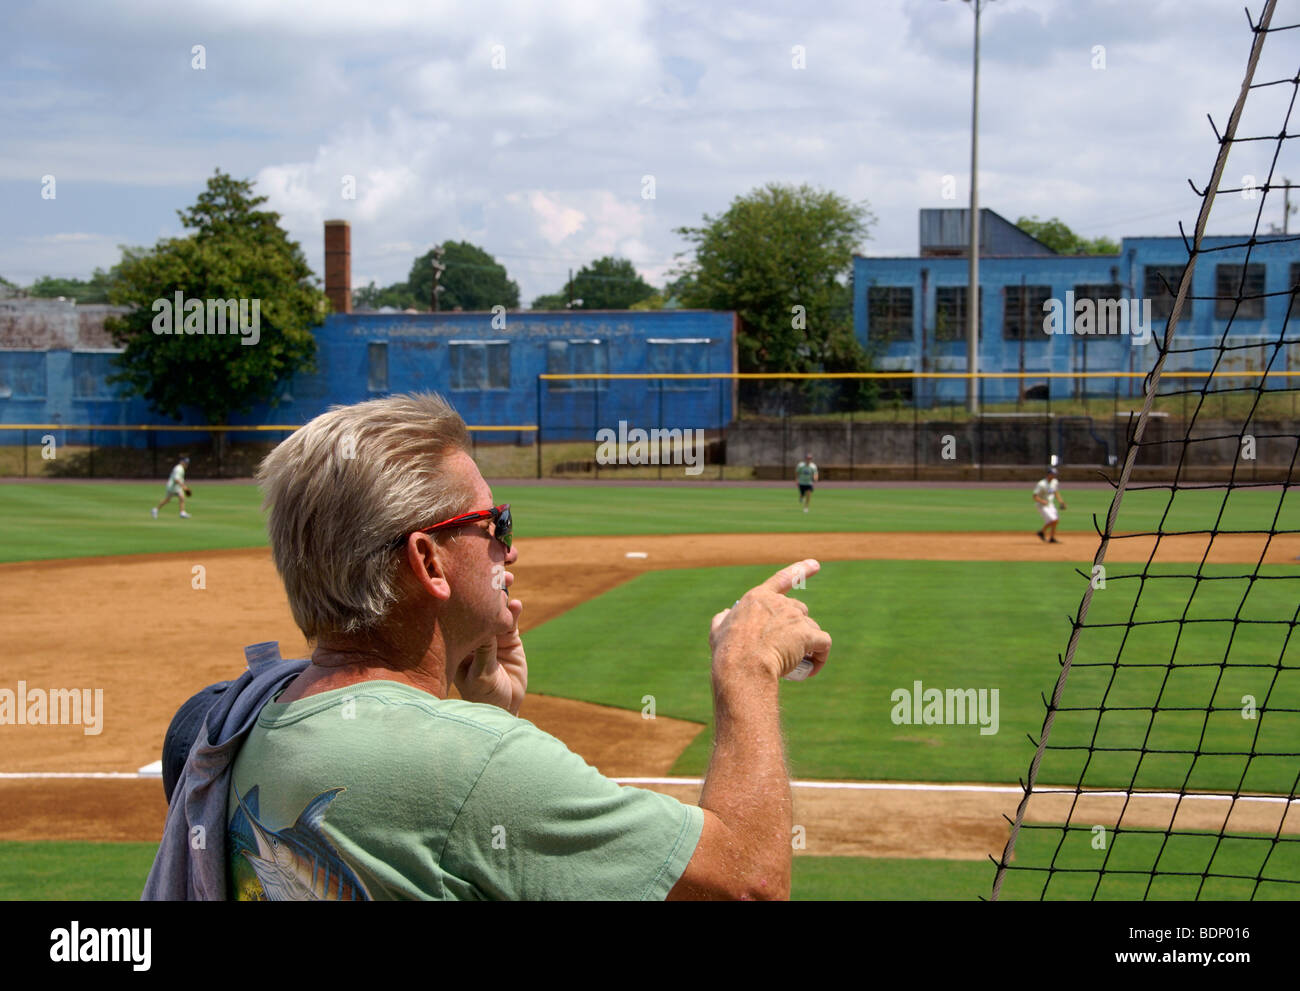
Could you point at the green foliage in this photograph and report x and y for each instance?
(473, 280)
(607, 283)
(93, 290)
(235, 252)
(398, 296)
(551, 301)
(1057, 236)
(610, 284)
(776, 250)
(667, 298)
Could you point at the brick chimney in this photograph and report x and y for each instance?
(338, 265)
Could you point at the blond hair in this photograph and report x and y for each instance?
(340, 493)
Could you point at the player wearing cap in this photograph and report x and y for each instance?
(175, 487)
(805, 473)
(1045, 494)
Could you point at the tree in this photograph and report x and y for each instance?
(610, 284)
(398, 296)
(94, 290)
(669, 297)
(473, 280)
(1057, 236)
(606, 284)
(236, 252)
(781, 258)
(551, 301)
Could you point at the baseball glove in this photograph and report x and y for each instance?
(188, 492)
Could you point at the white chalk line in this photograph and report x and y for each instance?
(985, 789)
(154, 770)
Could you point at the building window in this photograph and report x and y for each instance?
(1107, 301)
(479, 365)
(90, 372)
(590, 357)
(1293, 311)
(678, 356)
(1022, 311)
(950, 313)
(889, 312)
(378, 377)
(22, 374)
(1162, 299)
(1230, 291)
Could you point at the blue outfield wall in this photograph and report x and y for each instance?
(485, 364)
(1254, 326)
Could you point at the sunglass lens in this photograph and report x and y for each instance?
(503, 527)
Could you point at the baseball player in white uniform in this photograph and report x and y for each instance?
(1046, 493)
(175, 487)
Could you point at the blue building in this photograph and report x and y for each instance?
(56, 360)
(487, 365)
(912, 311)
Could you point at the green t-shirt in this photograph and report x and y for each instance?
(382, 791)
(804, 472)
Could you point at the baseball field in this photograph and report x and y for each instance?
(921, 588)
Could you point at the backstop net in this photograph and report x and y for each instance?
(1169, 755)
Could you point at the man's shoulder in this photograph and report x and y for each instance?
(398, 703)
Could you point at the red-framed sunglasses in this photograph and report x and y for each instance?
(499, 515)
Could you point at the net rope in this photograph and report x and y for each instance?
(1152, 856)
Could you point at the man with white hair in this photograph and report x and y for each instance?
(362, 778)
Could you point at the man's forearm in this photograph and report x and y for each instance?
(748, 783)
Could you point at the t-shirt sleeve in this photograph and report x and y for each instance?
(541, 823)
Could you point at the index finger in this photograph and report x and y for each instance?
(794, 575)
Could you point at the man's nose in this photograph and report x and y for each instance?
(512, 555)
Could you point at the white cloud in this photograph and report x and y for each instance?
(541, 162)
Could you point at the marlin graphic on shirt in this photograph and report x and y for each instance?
(299, 863)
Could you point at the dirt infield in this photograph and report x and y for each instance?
(143, 632)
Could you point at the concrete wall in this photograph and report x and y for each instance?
(1081, 443)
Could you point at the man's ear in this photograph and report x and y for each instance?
(427, 564)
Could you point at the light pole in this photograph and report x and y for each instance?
(973, 292)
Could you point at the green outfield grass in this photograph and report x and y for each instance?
(958, 625)
(117, 872)
(63, 871)
(949, 625)
(43, 520)
(1127, 860)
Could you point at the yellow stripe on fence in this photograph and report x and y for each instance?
(551, 377)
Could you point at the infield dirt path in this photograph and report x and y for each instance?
(137, 627)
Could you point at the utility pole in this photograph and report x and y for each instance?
(438, 269)
(973, 293)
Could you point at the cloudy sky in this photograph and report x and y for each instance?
(529, 128)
